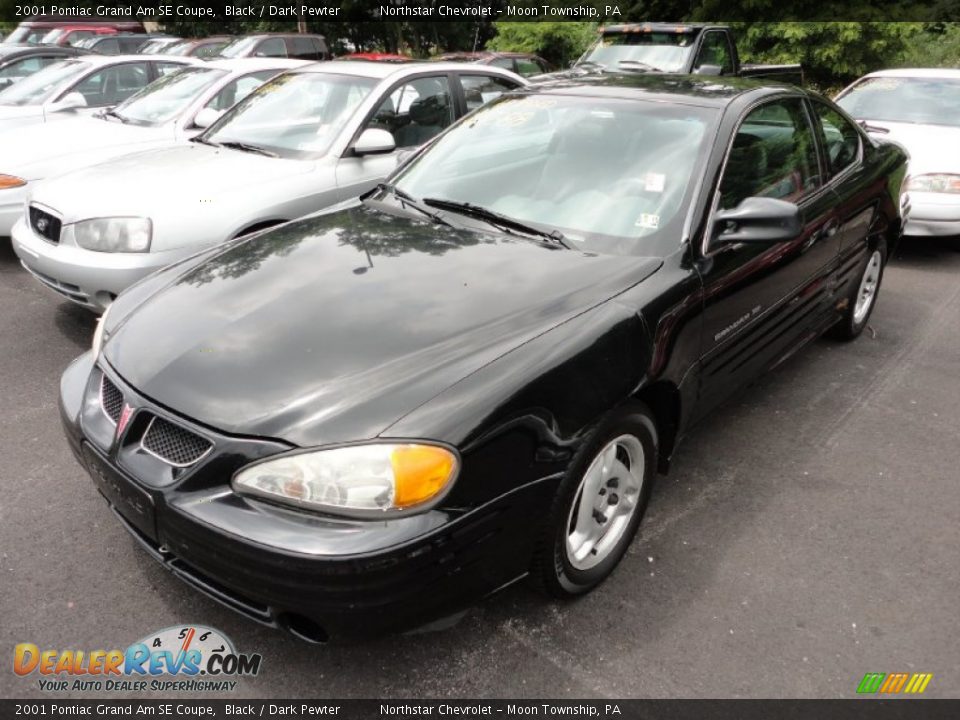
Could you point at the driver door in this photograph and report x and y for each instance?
(763, 299)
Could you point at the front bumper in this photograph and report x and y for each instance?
(313, 575)
(88, 278)
(11, 208)
(933, 215)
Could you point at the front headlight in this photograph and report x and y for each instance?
(935, 183)
(98, 335)
(356, 480)
(11, 181)
(130, 234)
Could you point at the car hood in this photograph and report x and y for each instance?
(332, 328)
(13, 116)
(932, 148)
(35, 151)
(163, 181)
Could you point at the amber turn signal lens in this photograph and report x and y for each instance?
(420, 472)
(10, 181)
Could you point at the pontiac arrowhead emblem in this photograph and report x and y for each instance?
(125, 416)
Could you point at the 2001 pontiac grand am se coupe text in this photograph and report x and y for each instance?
(369, 418)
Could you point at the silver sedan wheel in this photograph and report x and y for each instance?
(605, 502)
(868, 288)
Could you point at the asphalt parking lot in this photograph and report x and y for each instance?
(808, 533)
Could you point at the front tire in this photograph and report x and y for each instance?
(863, 296)
(600, 503)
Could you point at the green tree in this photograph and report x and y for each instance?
(832, 53)
(559, 42)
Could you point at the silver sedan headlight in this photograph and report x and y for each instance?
(121, 234)
(369, 480)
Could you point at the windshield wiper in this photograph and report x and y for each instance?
(235, 145)
(494, 218)
(637, 65)
(406, 200)
(203, 141)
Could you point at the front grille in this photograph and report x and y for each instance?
(111, 399)
(45, 224)
(174, 444)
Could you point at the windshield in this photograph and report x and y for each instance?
(42, 85)
(924, 101)
(166, 98)
(240, 47)
(294, 115)
(665, 52)
(611, 175)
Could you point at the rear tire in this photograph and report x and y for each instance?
(863, 296)
(599, 504)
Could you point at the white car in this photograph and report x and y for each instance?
(920, 110)
(174, 108)
(81, 86)
(304, 141)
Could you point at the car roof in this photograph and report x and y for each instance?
(704, 90)
(918, 73)
(28, 49)
(382, 70)
(112, 59)
(254, 64)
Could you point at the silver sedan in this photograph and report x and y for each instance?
(174, 108)
(81, 86)
(306, 140)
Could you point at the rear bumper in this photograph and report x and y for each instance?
(88, 278)
(314, 576)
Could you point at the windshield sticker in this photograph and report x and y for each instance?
(646, 220)
(655, 182)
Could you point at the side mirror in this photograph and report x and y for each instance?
(206, 117)
(72, 101)
(374, 141)
(708, 70)
(758, 220)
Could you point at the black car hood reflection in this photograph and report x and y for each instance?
(332, 328)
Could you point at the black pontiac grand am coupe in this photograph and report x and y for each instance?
(369, 418)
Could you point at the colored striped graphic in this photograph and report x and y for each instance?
(893, 683)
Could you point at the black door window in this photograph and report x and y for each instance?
(773, 155)
(841, 138)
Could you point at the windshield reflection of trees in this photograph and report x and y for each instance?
(373, 234)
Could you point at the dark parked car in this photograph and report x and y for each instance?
(523, 64)
(20, 61)
(373, 417)
(295, 46)
(119, 44)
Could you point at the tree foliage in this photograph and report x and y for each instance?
(559, 42)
